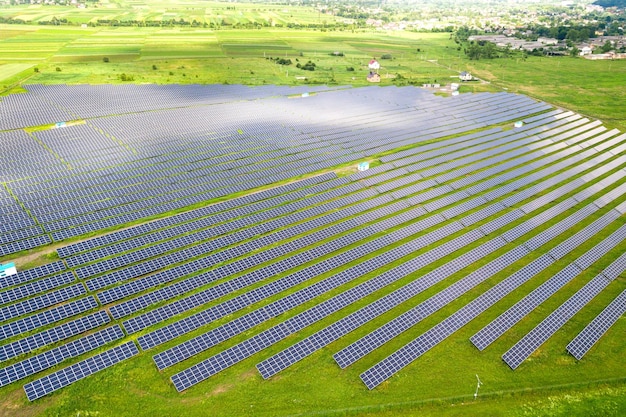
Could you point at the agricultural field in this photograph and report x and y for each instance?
(161, 12)
(177, 55)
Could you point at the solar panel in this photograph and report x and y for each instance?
(544, 330)
(67, 376)
(298, 351)
(522, 308)
(43, 318)
(203, 342)
(590, 335)
(48, 359)
(55, 334)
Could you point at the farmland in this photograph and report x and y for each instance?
(443, 380)
(177, 55)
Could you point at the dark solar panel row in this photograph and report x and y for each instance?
(388, 331)
(536, 337)
(162, 313)
(252, 225)
(591, 334)
(48, 359)
(509, 318)
(43, 318)
(318, 340)
(136, 286)
(52, 335)
(25, 244)
(32, 274)
(66, 376)
(215, 364)
(501, 206)
(164, 206)
(36, 287)
(505, 321)
(150, 234)
(399, 359)
(42, 301)
(233, 251)
(248, 199)
(375, 375)
(161, 335)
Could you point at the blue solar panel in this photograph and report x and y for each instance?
(590, 335)
(544, 330)
(54, 356)
(66, 376)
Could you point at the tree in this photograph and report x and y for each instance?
(607, 47)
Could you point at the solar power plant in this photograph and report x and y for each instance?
(206, 226)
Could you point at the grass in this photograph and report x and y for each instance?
(203, 55)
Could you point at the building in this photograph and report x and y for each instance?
(465, 76)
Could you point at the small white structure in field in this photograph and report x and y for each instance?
(454, 87)
(519, 123)
(465, 76)
(363, 166)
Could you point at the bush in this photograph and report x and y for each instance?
(154, 67)
(105, 59)
(350, 69)
(283, 61)
(309, 66)
(125, 77)
(386, 56)
(36, 69)
(58, 69)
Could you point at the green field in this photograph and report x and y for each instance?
(440, 383)
(202, 55)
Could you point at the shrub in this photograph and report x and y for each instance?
(309, 66)
(350, 69)
(58, 69)
(105, 59)
(125, 77)
(154, 67)
(386, 56)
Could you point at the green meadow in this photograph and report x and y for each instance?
(76, 55)
(442, 382)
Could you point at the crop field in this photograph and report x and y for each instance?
(217, 13)
(243, 56)
(247, 303)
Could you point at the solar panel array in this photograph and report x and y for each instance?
(590, 335)
(455, 212)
